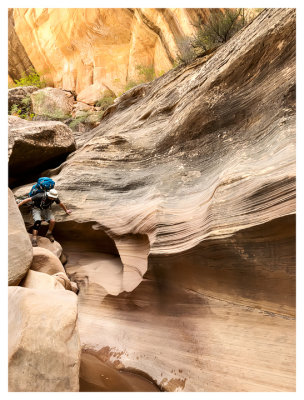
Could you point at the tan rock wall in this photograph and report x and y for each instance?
(20, 253)
(43, 346)
(100, 47)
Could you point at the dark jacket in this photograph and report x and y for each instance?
(42, 201)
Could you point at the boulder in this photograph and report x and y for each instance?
(20, 253)
(43, 341)
(17, 94)
(45, 243)
(80, 106)
(91, 94)
(45, 261)
(40, 280)
(74, 287)
(52, 103)
(64, 280)
(36, 145)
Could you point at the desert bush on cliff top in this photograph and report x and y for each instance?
(217, 29)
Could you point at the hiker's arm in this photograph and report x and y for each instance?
(24, 201)
(64, 208)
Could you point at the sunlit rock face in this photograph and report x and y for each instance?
(91, 50)
(183, 204)
(43, 340)
(18, 59)
(20, 253)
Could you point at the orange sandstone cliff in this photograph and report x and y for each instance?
(95, 49)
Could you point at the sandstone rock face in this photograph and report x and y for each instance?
(189, 184)
(44, 348)
(45, 261)
(17, 94)
(64, 280)
(18, 59)
(34, 145)
(51, 103)
(101, 48)
(40, 280)
(20, 252)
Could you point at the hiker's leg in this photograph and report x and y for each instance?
(51, 225)
(37, 222)
(50, 218)
(49, 234)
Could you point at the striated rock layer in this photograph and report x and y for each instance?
(185, 194)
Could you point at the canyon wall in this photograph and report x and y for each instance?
(182, 236)
(92, 49)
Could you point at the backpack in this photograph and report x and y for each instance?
(43, 185)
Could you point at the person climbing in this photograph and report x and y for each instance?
(42, 209)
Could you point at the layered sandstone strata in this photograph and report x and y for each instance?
(183, 204)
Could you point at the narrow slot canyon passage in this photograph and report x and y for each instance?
(94, 263)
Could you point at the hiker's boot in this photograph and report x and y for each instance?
(50, 237)
(34, 242)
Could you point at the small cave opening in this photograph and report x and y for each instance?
(18, 175)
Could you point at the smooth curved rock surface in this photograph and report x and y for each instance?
(45, 261)
(40, 280)
(201, 162)
(63, 279)
(45, 243)
(43, 341)
(20, 253)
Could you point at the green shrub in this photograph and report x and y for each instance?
(23, 110)
(130, 85)
(106, 100)
(58, 115)
(217, 29)
(26, 101)
(74, 124)
(15, 110)
(186, 53)
(146, 72)
(86, 117)
(18, 111)
(32, 78)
